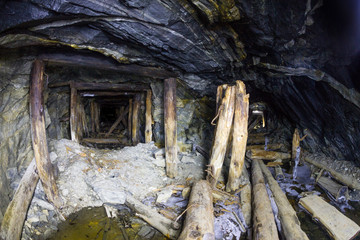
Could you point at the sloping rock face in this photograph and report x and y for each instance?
(299, 56)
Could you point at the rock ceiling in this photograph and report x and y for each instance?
(299, 56)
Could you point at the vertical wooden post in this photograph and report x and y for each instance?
(295, 144)
(130, 118)
(170, 127)
(123, 120)
(39, 142)
(135, 119)
(73, 113)
(148, 118)
(239, 138)
(92, 114)
(97, 117)
(223, 127)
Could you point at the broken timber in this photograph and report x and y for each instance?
(14, 217)
(267, 155)
(199, 222)
(289, 221)
(337, 225)
(148, 118)
(264, 227)
(116, 123)
(170, 127)
(151, 216)
(39, 141)
(239, 137)
(223, 127)
(338, 191)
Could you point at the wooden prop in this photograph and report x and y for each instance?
(130, 118)
(92, 115)
(338, 191)
(135, 120)
(337, 225)
(170, 127)
(256, 140)
(123, 120)
(245, 198)
(151, 216)
(97, 117)
(223, 127)
(346, 179)
(73, 114)
(118, 120)
(148, 118)
(264, 227)
(14, 217)
(296, 143)
(289, 221)
(38, 133)
(199, 222)
(267, 155)
(240, 133)
(279, 175)
(270, 147)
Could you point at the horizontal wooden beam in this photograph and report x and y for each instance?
(101, 62)
(105, 94)
(105, 141)
(110, 86)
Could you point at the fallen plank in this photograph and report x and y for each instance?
(14, 217)
(274, 146)
(338, 225)
(267, 155)
(105, 141)
(151, 216)
(346, 179)
(264, 227)
(289, 221)
(199, 222)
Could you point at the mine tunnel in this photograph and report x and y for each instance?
(174, 119)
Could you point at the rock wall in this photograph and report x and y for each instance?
(15, 135)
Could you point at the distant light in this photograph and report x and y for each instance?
(88, 95)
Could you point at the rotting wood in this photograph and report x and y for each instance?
(274, 146)
(345, 179)
(148, 118)
(170, 127)
(82, 124)
(219, 95)
(295, 144)
(101, 62)
(279, 175)
(38, 133)
(165, 226)
(130, 118)
(267, 155)
(124, 120)
(199, 221)
(135, 120)
(245, 198)
(73, 114)
(223, 127)
(264, 227)
(118, 120)
(256, 140)
(337, 225)
(338, 191)
(92, 116)
(239, 138)
(289, 222)
(14, 217)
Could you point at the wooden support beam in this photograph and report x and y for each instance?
(130, 118)
(106, 63)
(106, 94)
(110, 86)
(39, 141)
(97, 117)
(269, 147)
(170, 127)
(135, 120)
(92, 115)
(199, 222)
(338, 191)
(148, 118)
(73, 114)
(295, 144)
(223, 127)
(337, 224)
(124, 120)
(290, 224)
(239, 138)
(14, 217)
(118, 120)
(267, 155)
(264, 227)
